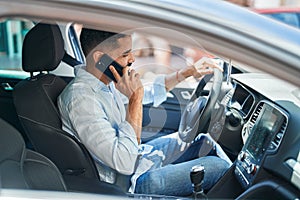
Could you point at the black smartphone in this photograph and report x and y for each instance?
(103, 65)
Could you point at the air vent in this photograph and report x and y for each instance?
(278, 137)
(256, 113)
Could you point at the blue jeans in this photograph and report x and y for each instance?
(170, 175)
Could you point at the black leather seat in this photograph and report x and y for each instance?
(21, 168)
(35, 100)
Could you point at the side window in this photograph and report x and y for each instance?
(156, 55)
(12, 33)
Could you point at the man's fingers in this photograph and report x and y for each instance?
(213, 65)
(134, 74)
(206, 66)
(206, 62)
(115, 73)
(206, 71)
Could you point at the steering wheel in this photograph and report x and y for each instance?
(197, 113)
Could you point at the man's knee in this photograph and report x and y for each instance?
(150, 183)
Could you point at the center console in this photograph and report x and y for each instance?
(262, 135)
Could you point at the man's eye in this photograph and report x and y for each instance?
(125, 55)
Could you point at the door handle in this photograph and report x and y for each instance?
(7, 86)
(185, 95)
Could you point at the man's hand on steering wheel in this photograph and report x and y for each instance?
(202, 67)
(198, 111)
(206, 66)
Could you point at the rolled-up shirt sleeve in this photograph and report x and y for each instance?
(155, 92)
(114, 144)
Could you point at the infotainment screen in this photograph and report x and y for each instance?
(267, 124)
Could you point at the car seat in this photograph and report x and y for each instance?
(35, 99)
(35, 102)
(21, 168)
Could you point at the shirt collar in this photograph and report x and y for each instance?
(90, 79)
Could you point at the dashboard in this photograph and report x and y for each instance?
(262, 120)
(242, 100)
(269, 131)
(264, 131)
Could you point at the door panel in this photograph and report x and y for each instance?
(164, 119)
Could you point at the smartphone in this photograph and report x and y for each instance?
(103, 65)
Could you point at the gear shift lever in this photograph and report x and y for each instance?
(197, 176)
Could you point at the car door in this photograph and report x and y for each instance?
(164, 119)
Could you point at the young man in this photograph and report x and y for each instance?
(92, 109)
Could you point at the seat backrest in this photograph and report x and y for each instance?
(24, 169)
(35, 100)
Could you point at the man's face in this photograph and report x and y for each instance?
(123, 54)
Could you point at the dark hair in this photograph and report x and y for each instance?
(90, 38)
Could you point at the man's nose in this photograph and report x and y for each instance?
(131, 58)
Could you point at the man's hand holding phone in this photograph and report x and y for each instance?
(126, 83)
(103, 65)
(129, 84)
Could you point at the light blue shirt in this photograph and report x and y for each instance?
(95, 114)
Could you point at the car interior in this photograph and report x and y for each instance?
(255, 126)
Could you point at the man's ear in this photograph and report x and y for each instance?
(97, 55)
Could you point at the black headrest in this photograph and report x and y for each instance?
(43, 48)
(11, 143)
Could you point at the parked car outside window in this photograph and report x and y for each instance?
(288, 15)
